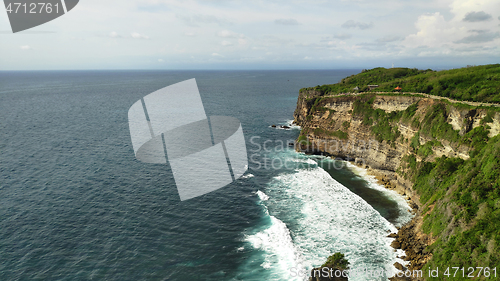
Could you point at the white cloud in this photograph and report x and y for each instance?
(136, 35)
(160, 60)
(198, 20)
(477, 16)
(434, 31)
(242, 39)
(357, 24)
(114, 34)
(25, 47)
(248, 30)
(390, 38)
(481, 36)
(229, 34)
(342, 36)
(466, 31)
(286, 22)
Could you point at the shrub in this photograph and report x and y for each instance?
(337, 261)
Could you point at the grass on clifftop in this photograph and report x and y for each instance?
(478, 83)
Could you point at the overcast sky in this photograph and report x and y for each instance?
(270, 34)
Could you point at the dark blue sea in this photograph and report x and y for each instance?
(75, 204)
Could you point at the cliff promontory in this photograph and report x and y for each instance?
(443, 154)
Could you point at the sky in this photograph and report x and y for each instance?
(270, 34)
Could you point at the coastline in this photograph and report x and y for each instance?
(410, 238)
(443, 148)
(410, 241)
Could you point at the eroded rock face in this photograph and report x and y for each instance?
(361, 144)
(319, 116)
(394, 103)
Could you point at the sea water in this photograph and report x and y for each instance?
(76, 205)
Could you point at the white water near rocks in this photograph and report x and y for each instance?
(406, 214)
(312, 216)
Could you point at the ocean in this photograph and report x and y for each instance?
(75, 204)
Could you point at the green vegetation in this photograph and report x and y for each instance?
(435, 124)
(382, 123)
(339, 134)
(465, 196)
(415, 141)
(346, 125)
(302, 140)
(488, 118)
(462, 196)
(316, 101)
(426, 149)
(337, 261)
(478, 83)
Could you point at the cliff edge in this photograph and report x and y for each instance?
(441, 154)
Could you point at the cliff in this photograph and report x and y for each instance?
(435, 151)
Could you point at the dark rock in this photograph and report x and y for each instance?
(274, 126)
(285, 127)
(398, 266)
(410, 240)
(395, 244)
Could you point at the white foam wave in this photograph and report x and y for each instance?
(247, 176)
(262, 196)
(280, 252)
(292, 125)
(304, 160)
(331, 219)
(405, 214)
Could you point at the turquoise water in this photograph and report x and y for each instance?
(76, 205)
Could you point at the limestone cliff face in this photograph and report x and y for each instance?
(331, 126)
